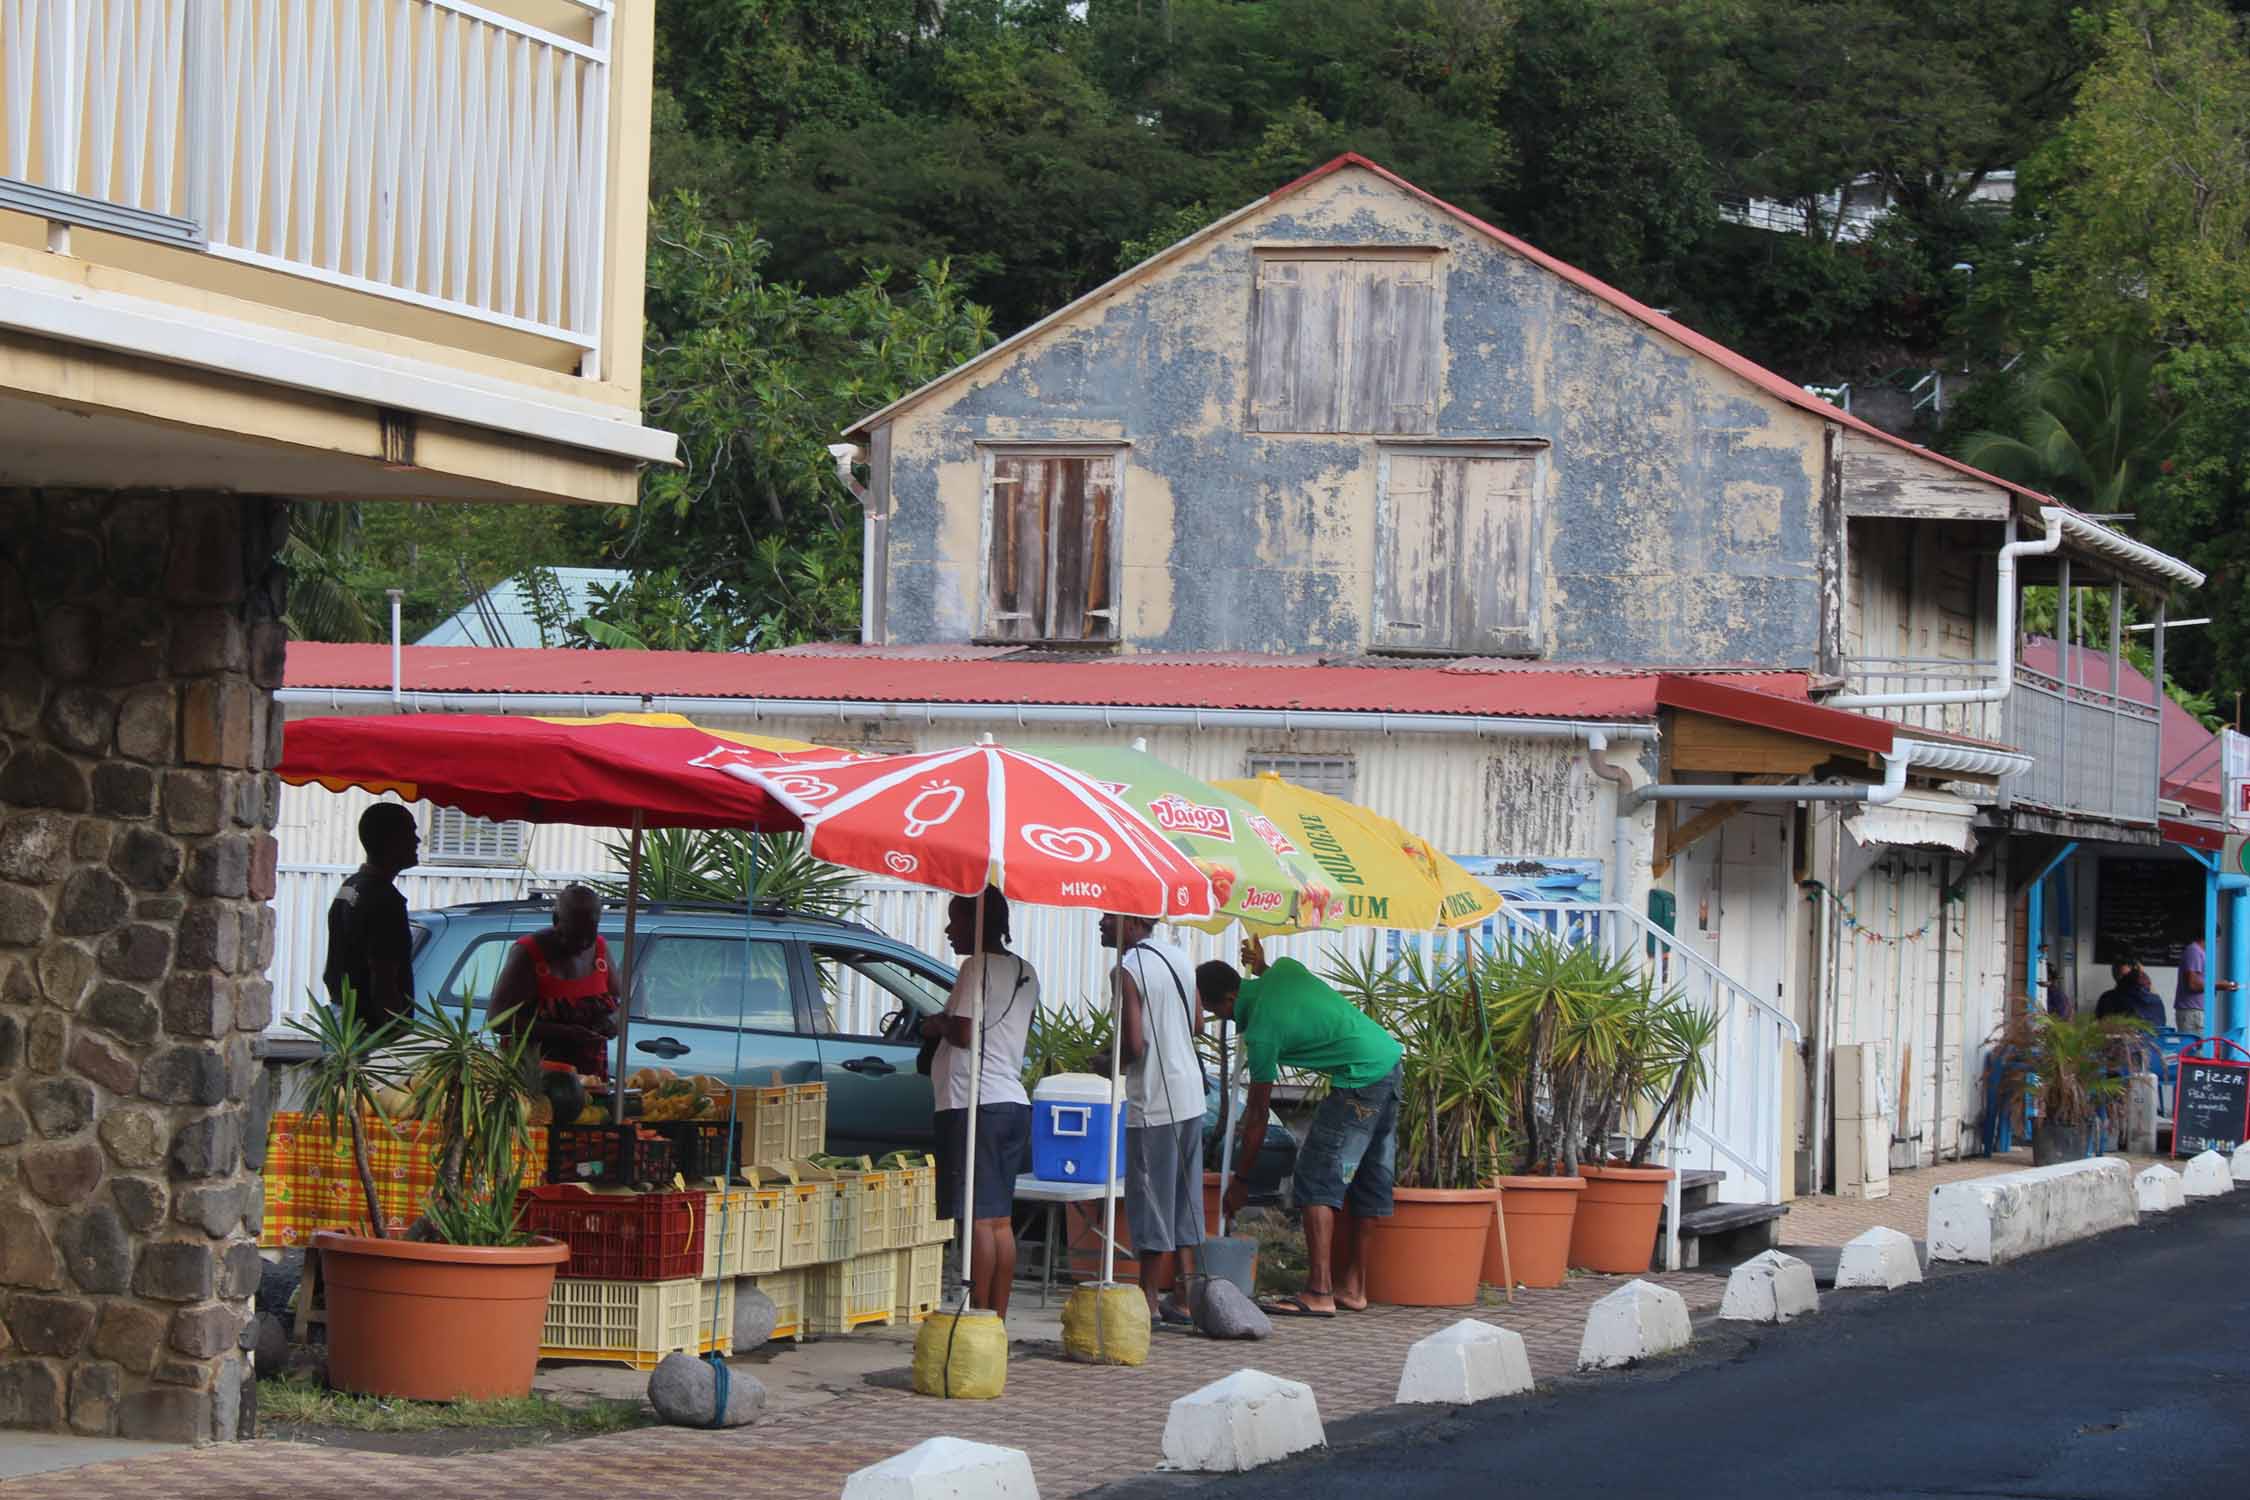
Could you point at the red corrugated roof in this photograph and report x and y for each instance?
(909, 675)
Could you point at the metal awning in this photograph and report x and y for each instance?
(1917, 821)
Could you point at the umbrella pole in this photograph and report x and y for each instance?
(1226, 1122)
(625, 980)
(976, 1078)
(1109, 1132)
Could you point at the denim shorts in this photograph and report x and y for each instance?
(1003, 1155)
(1354, 1140)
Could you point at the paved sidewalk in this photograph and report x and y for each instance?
(1083, 1426)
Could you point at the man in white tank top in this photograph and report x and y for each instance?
(1164, 1108)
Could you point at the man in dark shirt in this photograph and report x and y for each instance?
(2133, 997)
(370, 944)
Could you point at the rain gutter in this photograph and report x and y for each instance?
(1110, 716)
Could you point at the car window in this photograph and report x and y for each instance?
(858, 991)
(477, 969)
(714, 981)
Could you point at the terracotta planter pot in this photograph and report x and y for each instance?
(1539, 1212)
(1615, 1229)
(435, 1322)
(1427, 1253)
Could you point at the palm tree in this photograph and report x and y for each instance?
(323, 605)
(2093, 434)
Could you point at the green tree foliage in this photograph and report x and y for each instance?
(2148, 184)
(2092, 433)
(758, 377)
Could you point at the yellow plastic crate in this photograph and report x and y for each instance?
(941, 1232)
(787, 1290)
(782, 1122)
(637, 1323)
(919, 1275)
(808, 1119)
(913, 1204)
(865, 1201)
(849, 1294)
(745, 1238)
(810, 1207)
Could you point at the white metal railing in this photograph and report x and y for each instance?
(2098, 752)
(1929, 674)
(436, 152)
(1736, 1127)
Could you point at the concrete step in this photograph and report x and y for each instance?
(1699, 1186)
(1726, 1233)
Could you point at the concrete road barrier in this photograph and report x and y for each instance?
(1881, 1259)
(2158, 1190)
(1770, 1288)
(1469, 1362)
(947, 1468)
(2206, 1176)
(1995, 1219)
(1639, 1320)
(2240, 1162)
(1248, 1419)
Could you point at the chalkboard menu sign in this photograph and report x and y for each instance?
(2147, 910)
(2211, 1108)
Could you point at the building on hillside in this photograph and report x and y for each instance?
(249, 256)
(509, 614)
(1355, 486)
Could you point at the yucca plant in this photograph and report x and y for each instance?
(1556, 1007)
(2073, 1067)
(1679, 1070)
(345, 1081)
(1455, 1092)
(476, 1087)
(1066, 1041)
(731, 867)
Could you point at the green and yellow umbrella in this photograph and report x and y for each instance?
(1258, 875)
(1381, 875)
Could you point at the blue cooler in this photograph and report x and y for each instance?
(1069, 1112)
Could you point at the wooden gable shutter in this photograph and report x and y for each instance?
(1496, 556)
(1417, 583)
(1016, 569)
(1082, 514)
(1273, 347)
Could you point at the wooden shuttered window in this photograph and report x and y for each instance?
(1051, 559)
(1345, 344)
(1456, 546)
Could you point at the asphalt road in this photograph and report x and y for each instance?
(2119, 1366)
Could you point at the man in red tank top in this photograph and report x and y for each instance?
(559, 983)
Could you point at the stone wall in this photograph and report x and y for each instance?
(139, 641)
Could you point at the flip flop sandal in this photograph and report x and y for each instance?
(1172, 1315)
(1292, 1307)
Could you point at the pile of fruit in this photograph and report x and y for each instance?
(667, 1096)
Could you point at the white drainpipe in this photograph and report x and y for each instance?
(1889, 789)
(2004, 680)
(396, 672)
(873, 539)
(1620, 820)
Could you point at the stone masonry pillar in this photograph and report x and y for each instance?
(140, 639)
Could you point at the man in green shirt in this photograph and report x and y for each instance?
(1289, 1019)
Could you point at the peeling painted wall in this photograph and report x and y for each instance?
(1680, 518)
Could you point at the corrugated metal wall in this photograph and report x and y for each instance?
(1530, 798)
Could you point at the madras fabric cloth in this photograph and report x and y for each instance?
(311, 1183)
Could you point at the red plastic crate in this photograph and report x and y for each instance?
(607, 1156)
(621, 1236)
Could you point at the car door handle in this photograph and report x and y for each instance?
(662, 1046)
(874, 1065)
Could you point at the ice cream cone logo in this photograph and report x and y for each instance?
(936, 802)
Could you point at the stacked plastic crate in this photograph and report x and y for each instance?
(635, 1287)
